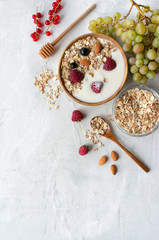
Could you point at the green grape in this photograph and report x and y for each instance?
(156, 34)
(139, 63)
(111, 29)
(92, 28)
(151, 54)
(146, 9)
(152, 27)
(128, 22)
(140, 28)
(138, 48)
(132, 60)
(131, 34)
(137, 77)
(128, 41)
(144, 80)
(152, 66)
(99, 20)
(155, 43)
(117, 15)
(155, 12)
(117, 26)
(108, 20)
(126, 47)
(134, 69)
(138, 16)
(146, 61)
(118, 32)
(139, 56)
(157, 57)
(155, 19)
(143, 70)
(93, 22)
(150, 75)
(133, 43)
(157, 29)
(123, 36)
(138, 39)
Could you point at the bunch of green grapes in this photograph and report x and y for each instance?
(140, 38)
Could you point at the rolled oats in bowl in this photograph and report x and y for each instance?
(136, 110)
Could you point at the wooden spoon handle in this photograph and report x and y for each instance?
(73, 24)
(146, 169)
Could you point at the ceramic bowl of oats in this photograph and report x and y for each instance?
(136, 110)
(93, 69)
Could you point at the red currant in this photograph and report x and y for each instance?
(34, 16)
(38, 30)
(50, 17)
(58, 1)
(35, 21)
(48, 33)
(50, 12)
(36, 38)
(47, 22)
(39, 15)
(39, 24)
(55, 22)
(57, 17)
(59, 7)
(54, 4)
(32, 34)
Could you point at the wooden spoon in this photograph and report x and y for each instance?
(48, 49)
(109, 134)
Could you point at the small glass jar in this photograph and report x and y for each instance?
(140, 87)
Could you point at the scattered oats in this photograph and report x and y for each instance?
(47, 85)
(105, 79)
(91, 74)
(56, 107)
(95, 149)
(49, 108)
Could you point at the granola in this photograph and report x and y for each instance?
(99, 125)
(137, 111)
(96, 59)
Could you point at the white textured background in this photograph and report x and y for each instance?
(47, 191)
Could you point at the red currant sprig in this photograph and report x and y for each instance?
(53, 18)
(36, 35)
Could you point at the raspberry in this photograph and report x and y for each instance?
(83, 150)
(77, 116)
(76, 76)
(96, 86)
(110, 64)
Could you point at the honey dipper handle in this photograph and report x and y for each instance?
(73, 24)
(146, 169)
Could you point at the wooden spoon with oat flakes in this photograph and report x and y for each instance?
(102, 127)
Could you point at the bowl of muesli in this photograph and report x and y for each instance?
(136, 110)
(93, 69)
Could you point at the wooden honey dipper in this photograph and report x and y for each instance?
(48, 49)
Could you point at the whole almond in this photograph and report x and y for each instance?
(102, 160)
(85, 62)
(113, 169)
(98, 47)
(114, 156)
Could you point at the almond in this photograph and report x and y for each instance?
(98, 47)
(102, 160)
(85, 62)
(113, 169)
(114, 156)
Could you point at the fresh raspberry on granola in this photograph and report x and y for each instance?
(110, 64)
(76, 76)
